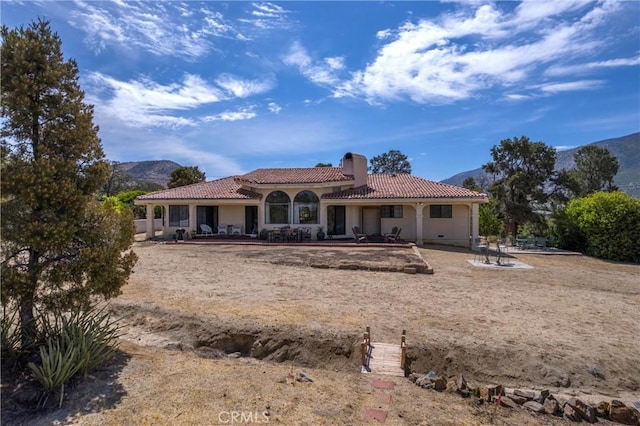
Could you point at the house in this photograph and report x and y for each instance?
(336, 198)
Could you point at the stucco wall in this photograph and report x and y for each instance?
(141, 225)
(453, 231)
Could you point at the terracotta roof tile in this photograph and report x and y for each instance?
(380, 186)
(224, 189)
(295, 176)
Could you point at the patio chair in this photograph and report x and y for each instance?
(236, 230)
(222, 229)
(206, 229)
(306, 233)
(481, 250)
(394, 236)
(359, 236)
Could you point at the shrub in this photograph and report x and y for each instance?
(603, 224)
(9, 334)
(74, 343)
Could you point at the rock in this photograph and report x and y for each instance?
(440, 384)
(28, 395)
(602, 409)
(415, 376)
(544, 394)
(550, 406)
(431, 375)
(571, 414)
(506, 401)
(534, 406)
(410, 270)
(304, 377)
(525, 394)
(234, 355)
(564, 381)
(596, 372)
(620, 413)
(587, 412)
(422, 380)
(518, 399)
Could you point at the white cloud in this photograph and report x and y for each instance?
(516, 97)
(157, 28)
(570, 86)
(147, 103)
(266, 16)
(243, 114)
(458, 55)
(274, 107)
(561, 70)
(241, 88)
(323, 72)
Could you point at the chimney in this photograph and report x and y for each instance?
(355, 165)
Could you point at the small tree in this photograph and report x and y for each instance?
(603, 224)
(324, 165)
(60, 246)
(183, 176)
(594, 172)
(520, 169)
(390, 162)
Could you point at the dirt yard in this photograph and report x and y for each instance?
(282, 309)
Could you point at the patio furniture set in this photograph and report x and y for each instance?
(289, 234)
(392, 237)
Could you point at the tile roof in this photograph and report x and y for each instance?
(381, 186)
(295, 176)
(222, 189)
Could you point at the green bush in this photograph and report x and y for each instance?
(74, 343)
(603, 224)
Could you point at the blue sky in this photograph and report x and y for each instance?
(234, 86)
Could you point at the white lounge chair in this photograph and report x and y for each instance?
(222, 229)
(236, 230)
(206, 229)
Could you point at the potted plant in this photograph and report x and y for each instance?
(263, 234)
(320, 233)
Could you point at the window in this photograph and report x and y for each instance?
(305, 208)
(179, 216)
(444, 211)
(391, 211)
(277, 207)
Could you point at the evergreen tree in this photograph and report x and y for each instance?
(183, 176)
(520, 169)
(60, 246)
(390, 162)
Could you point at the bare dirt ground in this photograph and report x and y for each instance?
(287, 308)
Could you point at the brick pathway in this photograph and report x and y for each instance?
(381, 400)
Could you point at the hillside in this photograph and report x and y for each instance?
(158, 172)
(626, 149)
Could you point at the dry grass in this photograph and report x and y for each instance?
(521, 328)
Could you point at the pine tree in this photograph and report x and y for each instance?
(60, 246)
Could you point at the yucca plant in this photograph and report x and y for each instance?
(75, 342)
(57, 366)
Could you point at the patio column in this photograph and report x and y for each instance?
(151, 232)
(165, 219)
(323, 216)
(193, 222)
(475, 225)
(419, 209)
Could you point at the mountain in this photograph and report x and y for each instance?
(158, 172)
(626, 149)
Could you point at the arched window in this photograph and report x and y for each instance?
(277, 207)
(305, 208)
